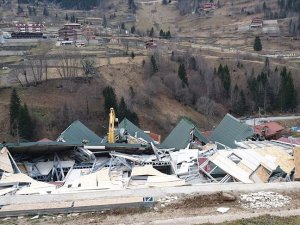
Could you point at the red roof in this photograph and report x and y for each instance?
(290, 140)
(155, 137)
(207, 134)
(271, 128)
(45, 140)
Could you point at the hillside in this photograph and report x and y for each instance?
(201, 41)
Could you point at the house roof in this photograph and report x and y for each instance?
(230, 130)
(180, 136)
(77, 132)
(271, 128)
(290, 140)
(133, 130)
(44, 140)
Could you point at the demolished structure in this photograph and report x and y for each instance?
(79, 160)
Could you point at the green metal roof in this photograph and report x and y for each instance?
(134, 131)
(230, 130)
(40, 147)
(180, 136)
(77, 132)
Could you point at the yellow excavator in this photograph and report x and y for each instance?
(111, 128)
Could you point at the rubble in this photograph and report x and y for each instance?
(267, 200)
(93, 164)
(167, 200)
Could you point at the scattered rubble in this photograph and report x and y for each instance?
(167, 200)
(266, 200)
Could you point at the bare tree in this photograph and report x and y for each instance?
(68, 65)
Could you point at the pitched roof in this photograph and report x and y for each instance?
(230, 130)
(77, 132)
(271, 128)
(180, 136)
(133, 130)
(290, 140)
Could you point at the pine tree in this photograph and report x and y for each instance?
(288, 94)
(122, 109)
(193, 63)
(34, 11)
(264, 6)
(242, 104)
(104, 22)
(133, 117)
(168, 34)
(123, 26)
(110, 100)
(161, 33)
(132, 55)
(67, 17)
(45, 12)
(151, 34)
(154, 65)
(26, 126)
(132, 30)
(257, 44)
(14, 110)
(227, 82)
(182, 75)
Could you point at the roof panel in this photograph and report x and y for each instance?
(180, 136)
(77, 132)
(133, 130)
(230, 130)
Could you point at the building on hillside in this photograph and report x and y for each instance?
(73, 26)
(29, 27)
(208, 7)
(150, 44)
(67, 34)
(270, 130)
(257, 22)
(89, 33)
(26, 35)
(28, 31)
(115, 40)
(271, 28)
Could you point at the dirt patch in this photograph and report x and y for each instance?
(199, 201)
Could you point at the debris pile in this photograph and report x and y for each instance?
(267, 200)
(167, 200)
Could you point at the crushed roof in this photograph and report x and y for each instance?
(230, 130)
(180, 136)
(77, 132)
(134, 131)
(272, 128)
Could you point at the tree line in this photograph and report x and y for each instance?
(121, 108)
(78, 4)
(212, 92)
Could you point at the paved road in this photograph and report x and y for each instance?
(257, 121)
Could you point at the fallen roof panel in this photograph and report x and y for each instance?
(134, 131)
(230, 130)
(180, 136)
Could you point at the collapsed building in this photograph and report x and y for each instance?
(128, 158)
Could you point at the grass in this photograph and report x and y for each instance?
(264, 220)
